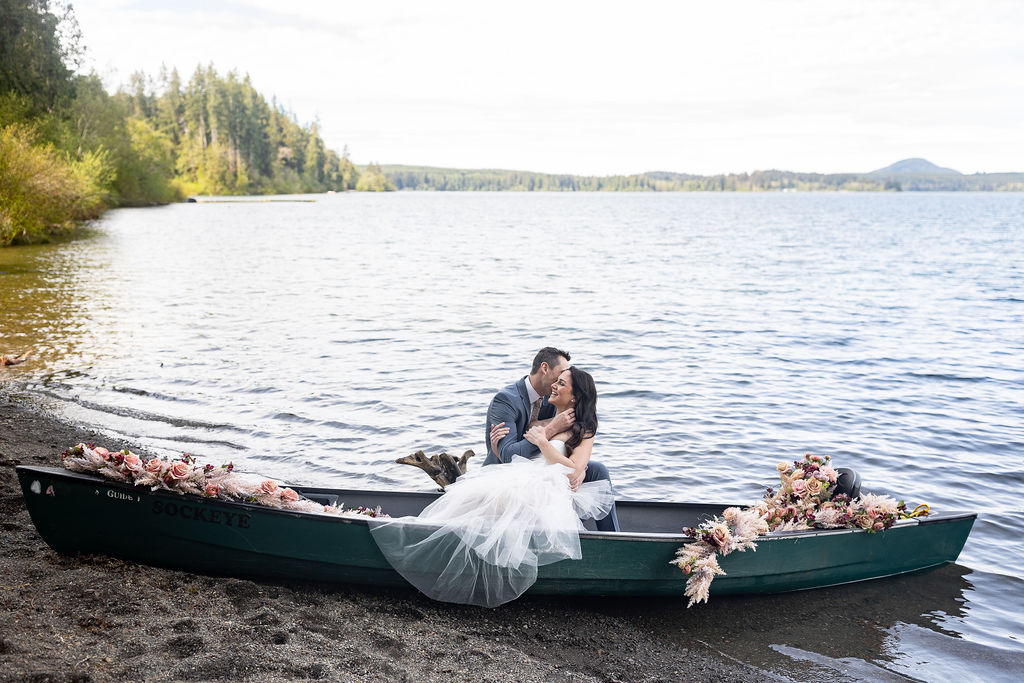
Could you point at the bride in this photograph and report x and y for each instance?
(481, 542)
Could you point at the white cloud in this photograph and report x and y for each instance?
(608, 88)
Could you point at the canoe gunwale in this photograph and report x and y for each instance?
(659, 537)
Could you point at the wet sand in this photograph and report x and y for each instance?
(99, 618)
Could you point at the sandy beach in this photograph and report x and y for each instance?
(100, 618)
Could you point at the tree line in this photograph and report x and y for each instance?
(426, 178)
(69, 150)
(453, 179)
(223, 137)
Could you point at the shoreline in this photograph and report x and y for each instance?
(98, 618)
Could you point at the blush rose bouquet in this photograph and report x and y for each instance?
(805, 499)
(184, 475)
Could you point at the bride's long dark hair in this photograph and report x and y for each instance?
(585, 393)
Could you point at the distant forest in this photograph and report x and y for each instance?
(222, 137)
(428, 178)
(69, 150)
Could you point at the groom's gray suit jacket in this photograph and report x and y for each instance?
(511, 405)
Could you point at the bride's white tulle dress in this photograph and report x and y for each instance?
(481, 542)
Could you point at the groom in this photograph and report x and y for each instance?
(526, 401)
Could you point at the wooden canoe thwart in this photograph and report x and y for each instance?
(72, 512)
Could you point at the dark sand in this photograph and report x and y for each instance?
(99, 618)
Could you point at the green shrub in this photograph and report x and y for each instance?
(373, 180)
(40, 192)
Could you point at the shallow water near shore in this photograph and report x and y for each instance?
(315, 342)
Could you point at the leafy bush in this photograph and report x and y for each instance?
(373, 180)
(40, 191)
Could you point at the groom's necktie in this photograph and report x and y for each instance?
(534, 411)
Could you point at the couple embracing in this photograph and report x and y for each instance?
(552, 413)
(482, 541)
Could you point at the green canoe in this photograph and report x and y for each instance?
(87, 514)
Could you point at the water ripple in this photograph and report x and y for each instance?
(725, 333)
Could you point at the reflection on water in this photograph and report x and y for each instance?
(316, 342)
(916, 625)
(41, 303)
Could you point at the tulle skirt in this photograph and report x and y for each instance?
(481, 542)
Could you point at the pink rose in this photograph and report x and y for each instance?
(800, 487)
(102, 452)
(878, 526)
(687, 569)
(154, 465)
(268, 487)
(730, 514)
(799, 474)
(289, 495)
(211, 490)
(132, 460)
(814, 487)
(179, 470)
(830, 473)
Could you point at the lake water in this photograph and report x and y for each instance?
(318, 341)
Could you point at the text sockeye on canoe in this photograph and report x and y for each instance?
(199, 514)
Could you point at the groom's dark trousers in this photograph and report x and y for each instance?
(511, 405)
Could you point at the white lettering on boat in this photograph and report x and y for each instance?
(120, 495)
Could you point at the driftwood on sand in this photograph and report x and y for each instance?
(14, 360)
(442, 468)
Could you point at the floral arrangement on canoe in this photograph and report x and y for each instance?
(804, 501)
(185, 475)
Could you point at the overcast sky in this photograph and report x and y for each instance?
(607, 88)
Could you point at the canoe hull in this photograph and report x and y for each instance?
(83, 514)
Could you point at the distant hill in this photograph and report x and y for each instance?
(914, 167)
(915, 175)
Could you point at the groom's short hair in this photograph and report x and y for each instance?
(549, 355)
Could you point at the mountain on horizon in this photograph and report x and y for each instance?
(914, 166)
